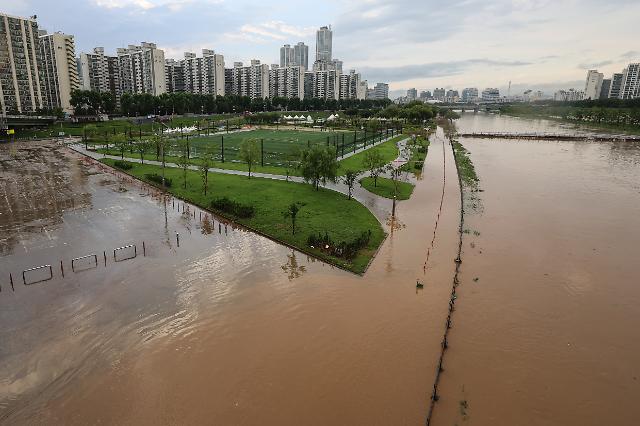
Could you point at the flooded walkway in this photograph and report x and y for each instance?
(229, 326)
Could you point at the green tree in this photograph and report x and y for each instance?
(349, 179)
(142, 147)
(250, 153)
(120, 142)
(292, 213)
(183, 162)
(203, 167)
(319, 164)
(374, 162)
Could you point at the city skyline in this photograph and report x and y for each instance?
(463, 50)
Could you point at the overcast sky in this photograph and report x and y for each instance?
(537, 44)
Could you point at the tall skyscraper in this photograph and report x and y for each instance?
(324, 44)
(593, 84)
(301, 55)
(21, 88)
(412, 94)
(605, 89)
(631, 82)
(286, 55)
(59, 69)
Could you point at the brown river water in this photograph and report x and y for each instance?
(232, 328)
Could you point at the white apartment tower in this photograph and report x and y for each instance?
(630, 88)
(174, 76)
(593, 84)
(59, 69)
(205, 75)
(142, 69)
(21, 88)
(326, 84)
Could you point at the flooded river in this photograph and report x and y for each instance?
(546, 325)
(228, 328)
(232, 328)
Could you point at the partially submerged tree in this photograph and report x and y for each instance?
(374, 162)
(250, 153)
(349, 179)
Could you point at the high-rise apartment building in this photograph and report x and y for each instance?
(205, 75)
(439, 94)
(21, 86)
(142, 69)
(593, 84)
(379, 91)
(251, 81)
(363, 87)
(59, 69)
(301, 55)
(174, 76)
(605, 89)
(616, 85)
(470, 94)
(286, 55)
(324, 44)
(349, 85)
(286, 82)
(100, 72)
(326, 84)
(412, 94)
(630, 88)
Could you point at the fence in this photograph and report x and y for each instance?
(273, 152)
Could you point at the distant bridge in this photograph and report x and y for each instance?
(13, 121)
(550, 136)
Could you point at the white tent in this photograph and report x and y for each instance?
(309, 119)
(287, 117)
(331, 117)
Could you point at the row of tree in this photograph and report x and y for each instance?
(88, 102)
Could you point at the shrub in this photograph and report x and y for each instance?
(123, 165)
(343, 249)
(418, 165)
(156, 178)
(234, 208)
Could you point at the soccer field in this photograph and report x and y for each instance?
(279, 147)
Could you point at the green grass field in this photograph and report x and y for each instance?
(281, 149)
(388, 149)
(385, 188)
(320, 211)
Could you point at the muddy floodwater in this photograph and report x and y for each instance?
(546, 328)
(227, 328)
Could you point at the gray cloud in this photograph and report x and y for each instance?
(631, 54)
(436, 69)
(594, 65)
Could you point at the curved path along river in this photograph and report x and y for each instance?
(230, 327)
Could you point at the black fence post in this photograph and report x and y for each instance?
(222, 148)
(262, 152)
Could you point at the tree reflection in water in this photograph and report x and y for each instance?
(292, 269)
